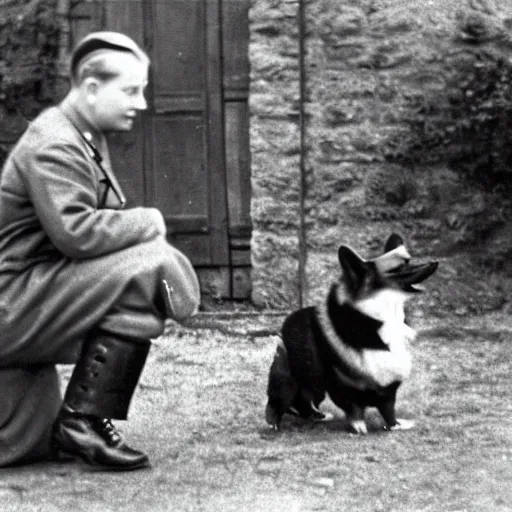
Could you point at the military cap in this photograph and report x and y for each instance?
(101, 41)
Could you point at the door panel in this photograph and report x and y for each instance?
(174, 158)
(127, 148)
(178, 47)
(181, 190)
(235, 41)
(126, 151)
(185, 143)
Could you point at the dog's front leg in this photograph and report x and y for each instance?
(355, 419)
(386, 407)
(387, 410)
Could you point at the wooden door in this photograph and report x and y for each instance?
(179, 142)
(188, 154)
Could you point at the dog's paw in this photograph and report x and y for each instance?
(293, 412)
(323, 417)
(357, 427)
(402, 424)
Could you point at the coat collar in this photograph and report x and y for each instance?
(88, 130)
(97, 140)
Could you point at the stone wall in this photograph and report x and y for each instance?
(401, 101)
(274, 133)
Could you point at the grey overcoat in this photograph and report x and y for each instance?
(72, 258)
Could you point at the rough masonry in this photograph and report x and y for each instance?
(398, 113)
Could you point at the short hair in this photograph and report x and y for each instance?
(87, 59)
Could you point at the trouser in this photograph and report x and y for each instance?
(29, 403)
(47, 312)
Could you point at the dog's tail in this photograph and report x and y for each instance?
(281, 389)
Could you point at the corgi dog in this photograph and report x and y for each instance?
(354, 346)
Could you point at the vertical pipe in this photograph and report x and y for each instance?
(302, 169)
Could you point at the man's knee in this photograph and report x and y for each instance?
(172, 273)
(181, 285)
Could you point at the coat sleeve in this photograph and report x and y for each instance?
(63, 191)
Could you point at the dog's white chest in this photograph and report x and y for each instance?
(394, 365)
(387, 367)
(375, 367)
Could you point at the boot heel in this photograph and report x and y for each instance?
(59, 455)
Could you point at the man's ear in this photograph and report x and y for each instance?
(354, 268)
(90, 88)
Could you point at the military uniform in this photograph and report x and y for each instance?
(72, 259)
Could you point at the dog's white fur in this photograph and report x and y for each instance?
(391, 259)
(376, 367)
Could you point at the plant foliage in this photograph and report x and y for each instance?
(29, 49)
(470, 128)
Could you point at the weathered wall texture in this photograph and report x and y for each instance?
(407, 130)
(274, 152)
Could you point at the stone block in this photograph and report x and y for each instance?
(337, 20)
(274, 270)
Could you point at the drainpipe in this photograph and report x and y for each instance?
(302, 168)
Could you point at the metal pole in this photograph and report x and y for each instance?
(302, 165)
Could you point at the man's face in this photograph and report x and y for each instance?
(115, 102)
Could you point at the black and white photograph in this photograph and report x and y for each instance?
(255, 255)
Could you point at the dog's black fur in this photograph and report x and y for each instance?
(306, 367)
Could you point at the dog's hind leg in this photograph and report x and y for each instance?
(304, 405)
(320, 416)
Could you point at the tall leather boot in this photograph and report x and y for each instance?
(100, 389)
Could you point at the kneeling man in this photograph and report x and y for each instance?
(82, 280)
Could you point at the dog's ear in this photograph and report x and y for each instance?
(354, 268)
(393, 242)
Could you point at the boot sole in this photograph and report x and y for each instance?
(66, 454)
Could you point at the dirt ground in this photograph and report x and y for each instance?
(199, 408)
